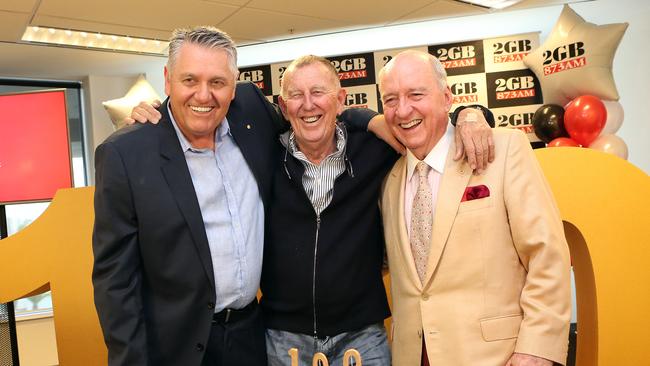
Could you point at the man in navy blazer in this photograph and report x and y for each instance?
(178, 234)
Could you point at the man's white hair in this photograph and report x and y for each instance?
(204, 36)
(438, 70)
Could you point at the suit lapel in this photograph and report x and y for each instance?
(242, 130)
(453, 183)
(395, 186)
(176, 173)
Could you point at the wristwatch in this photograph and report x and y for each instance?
(489, 117)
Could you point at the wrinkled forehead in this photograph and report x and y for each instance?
(313, 75)
(408, 70)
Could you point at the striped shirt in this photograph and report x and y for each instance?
(318, 180)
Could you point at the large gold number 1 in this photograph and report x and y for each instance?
(55, 253)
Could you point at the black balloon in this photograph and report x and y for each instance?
(548, 122)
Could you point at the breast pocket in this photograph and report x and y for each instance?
(473, 205)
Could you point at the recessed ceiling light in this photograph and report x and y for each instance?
(491, 4)
(91, 40)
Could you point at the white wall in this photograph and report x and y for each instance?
(98, 89)
(630, 64)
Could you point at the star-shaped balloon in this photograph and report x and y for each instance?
(576, 59)
(119, 109)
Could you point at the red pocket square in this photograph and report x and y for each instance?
(475, 192)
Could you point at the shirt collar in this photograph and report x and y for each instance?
(289, 140)
(436, 158)
(222, 131)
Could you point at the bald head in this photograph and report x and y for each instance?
(416, 99)
(411, 57)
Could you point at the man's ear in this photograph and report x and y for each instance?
(340, 97)
(167, 81)
(234, 89)
(449, 98)
(283, 107)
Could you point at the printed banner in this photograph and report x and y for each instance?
(260, 76)
(517, 117)
(489, 72)
(513, 88)
(460, 58)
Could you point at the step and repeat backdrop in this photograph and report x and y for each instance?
(489, 72)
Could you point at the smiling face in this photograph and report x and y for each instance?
(311, 99)
(416, 105)
(200, 85)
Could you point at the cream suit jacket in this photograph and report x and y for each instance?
(497, 277)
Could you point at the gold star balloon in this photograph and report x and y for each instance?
(576, 59)
(119, 109)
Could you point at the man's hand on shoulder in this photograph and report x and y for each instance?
(144, 112)
(474, 139)
(379, 127)
(522, 359)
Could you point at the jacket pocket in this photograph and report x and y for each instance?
(502, 327)
(473, 205)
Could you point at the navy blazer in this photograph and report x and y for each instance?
(153, 278)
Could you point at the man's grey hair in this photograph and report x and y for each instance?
(204, 36)
(439, 71)
(307, 60)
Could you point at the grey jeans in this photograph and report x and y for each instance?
(370, 342)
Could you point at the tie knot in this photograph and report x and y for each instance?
(423, 169)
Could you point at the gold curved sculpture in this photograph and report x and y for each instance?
(605, 204)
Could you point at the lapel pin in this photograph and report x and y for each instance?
(248, 126)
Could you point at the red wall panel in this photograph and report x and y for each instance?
(34, 146)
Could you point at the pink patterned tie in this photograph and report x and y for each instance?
(421, 221)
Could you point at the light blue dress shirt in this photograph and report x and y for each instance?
(233, 214)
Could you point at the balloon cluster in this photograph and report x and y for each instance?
(586, 121)
(574, 65)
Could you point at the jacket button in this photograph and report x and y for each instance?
(199, 347)
(425, 297)
(211, 305)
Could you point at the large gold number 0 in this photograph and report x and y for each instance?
(604, 201)
(605, 204)
(352, 353)
(320, 359)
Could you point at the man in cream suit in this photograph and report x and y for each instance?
(479, 263)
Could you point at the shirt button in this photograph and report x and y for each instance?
(199, 347)
(211, 305)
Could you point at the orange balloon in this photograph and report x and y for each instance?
(563, 142)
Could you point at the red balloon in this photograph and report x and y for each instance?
(584, 119)
(562, 142)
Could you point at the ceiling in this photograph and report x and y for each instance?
(247, 21)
